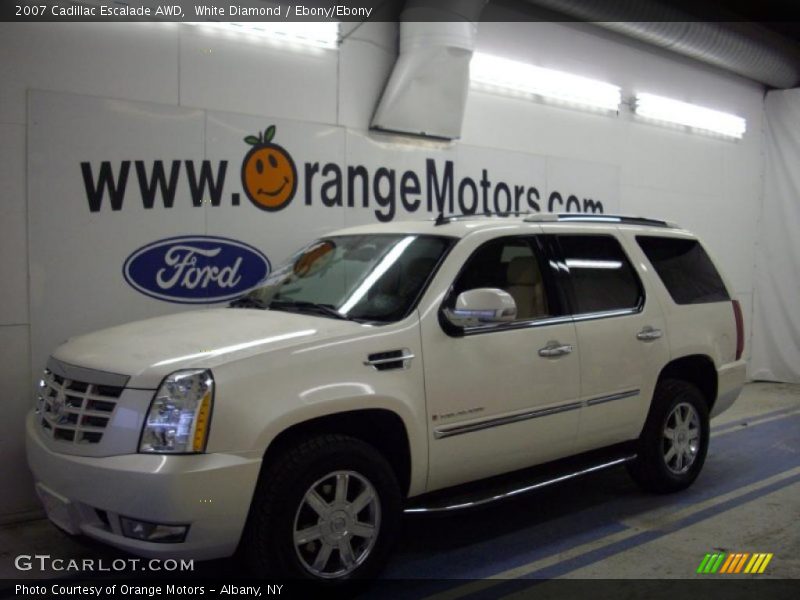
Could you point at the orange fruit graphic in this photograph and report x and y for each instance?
(269, 177)
(314, 259)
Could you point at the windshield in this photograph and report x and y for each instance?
(359, 277)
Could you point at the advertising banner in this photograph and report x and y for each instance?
(139, 209)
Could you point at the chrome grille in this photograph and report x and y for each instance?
(75, 411)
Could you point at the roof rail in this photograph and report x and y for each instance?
(598, 218)
(443, 219)
(540, 217)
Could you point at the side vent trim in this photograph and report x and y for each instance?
(390, 360)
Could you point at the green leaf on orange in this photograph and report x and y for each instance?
(251, 139)
(269, 134)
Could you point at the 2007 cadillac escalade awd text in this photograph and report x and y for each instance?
(381, 369)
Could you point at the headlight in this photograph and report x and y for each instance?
(179, 414)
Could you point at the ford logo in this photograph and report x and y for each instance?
(195, 269)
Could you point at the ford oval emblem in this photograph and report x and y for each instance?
(195, 269)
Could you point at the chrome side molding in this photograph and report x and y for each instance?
(458, 429)
(611, 397)
(444, 432)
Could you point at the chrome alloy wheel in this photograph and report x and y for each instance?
(681, 438)
(337, 524)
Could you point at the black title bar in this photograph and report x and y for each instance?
(765, 11)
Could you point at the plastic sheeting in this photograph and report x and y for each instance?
(776, 312)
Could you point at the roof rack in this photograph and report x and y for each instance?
(538, 217)
(443, 219)
(597, 218)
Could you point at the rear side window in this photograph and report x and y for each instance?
(685, 268)
(602, 277)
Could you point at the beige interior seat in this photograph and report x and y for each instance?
(525, 286)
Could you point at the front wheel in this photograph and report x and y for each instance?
(674, 441)
(328, 509)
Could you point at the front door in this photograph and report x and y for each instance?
(501, 397)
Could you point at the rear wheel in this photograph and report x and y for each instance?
(674, 441)
(327, 509)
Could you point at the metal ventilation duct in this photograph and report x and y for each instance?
(427, 90)
(742, 48)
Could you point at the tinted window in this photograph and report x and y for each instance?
(510, 265)
(685, 268)
(602, 277)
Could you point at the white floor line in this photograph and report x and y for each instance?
(613, 538)
(753, 421)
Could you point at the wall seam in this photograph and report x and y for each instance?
(178, 40)
(26, 194)
(758, 225)
(339, 81)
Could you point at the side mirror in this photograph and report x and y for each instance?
(482, 306)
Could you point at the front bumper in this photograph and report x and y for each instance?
(209, 492)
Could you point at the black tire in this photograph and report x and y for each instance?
(279, 501)
(651, 470)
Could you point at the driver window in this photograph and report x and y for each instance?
(510, 265)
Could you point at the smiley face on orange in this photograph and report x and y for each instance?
(314, 259)
(269, 177)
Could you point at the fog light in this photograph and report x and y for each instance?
(153, 532)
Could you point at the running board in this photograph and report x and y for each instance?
(491, 490)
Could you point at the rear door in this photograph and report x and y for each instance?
(620, 331)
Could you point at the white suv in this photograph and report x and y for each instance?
(380, 369)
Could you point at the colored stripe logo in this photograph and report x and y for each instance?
(734, 562)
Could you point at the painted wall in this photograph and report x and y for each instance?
(706, 184)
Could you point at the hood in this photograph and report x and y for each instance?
(149, 350)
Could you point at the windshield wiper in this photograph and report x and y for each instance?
(325, 309)
(248, 302)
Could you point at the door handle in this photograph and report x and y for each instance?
(555, 349)
(648, 334)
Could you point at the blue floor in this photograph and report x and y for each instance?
(488, 541)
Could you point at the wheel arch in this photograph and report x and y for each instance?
(382, 428)
(697, 369)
